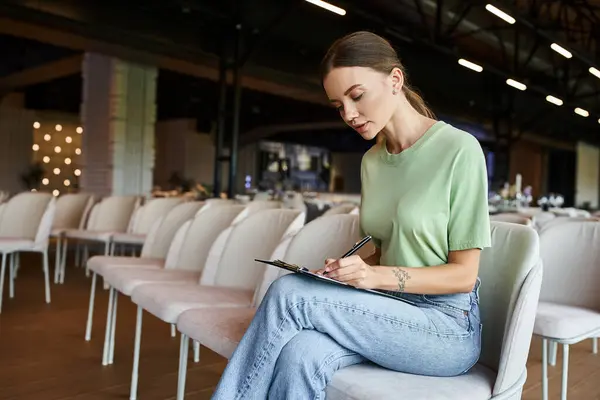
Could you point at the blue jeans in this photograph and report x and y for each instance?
(304, 330)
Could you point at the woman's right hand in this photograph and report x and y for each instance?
(322, 270)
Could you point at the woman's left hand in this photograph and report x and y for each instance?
(353, 271)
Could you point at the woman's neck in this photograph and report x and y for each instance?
(404, 128)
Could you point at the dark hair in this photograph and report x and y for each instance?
(366, 49)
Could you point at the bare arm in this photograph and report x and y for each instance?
(458, 275)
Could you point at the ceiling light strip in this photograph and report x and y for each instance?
(470, 65)
(561, 50)
(516, 84)
(554, 100)
(500, 14)
(328, 7)
(582, 112)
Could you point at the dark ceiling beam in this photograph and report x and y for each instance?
(262, 132)
(42, 73)
(147, 51)
(523, 20)
(540, 91)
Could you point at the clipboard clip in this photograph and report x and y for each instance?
(292, 267)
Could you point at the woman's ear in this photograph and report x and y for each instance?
(397, 80)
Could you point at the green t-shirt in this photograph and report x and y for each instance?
(427, 200)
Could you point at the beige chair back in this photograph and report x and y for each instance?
(325, 237)
(511, 275)
(513, 218)
(192, 243)
(256, 206)
(70, 210)
(542, 218)
(42, 236)
(341, 209)
(22, 215)
(256, 236)
(113, 214)
(562, 220)
(571, 257)
(220, 202)
(146, 215)
(164, 229)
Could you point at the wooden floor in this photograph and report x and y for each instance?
(44, 355)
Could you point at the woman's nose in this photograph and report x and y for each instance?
(350, 114)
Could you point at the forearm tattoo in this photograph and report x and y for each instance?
(402, 278)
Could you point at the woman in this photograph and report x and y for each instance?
(424, 201)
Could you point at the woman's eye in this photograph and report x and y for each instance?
(357, 98)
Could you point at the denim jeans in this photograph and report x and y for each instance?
(304, 330)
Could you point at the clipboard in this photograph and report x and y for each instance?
(306, 272)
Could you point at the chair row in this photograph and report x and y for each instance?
(216, 313)
(176, 243)
(541, 220)
(84, 220)
(29, 221)
(516, 303)
(213, 299)
(199, 275)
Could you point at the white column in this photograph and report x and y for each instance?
(118, 114)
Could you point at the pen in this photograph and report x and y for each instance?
(355, 248)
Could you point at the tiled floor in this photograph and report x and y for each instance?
(44, 355)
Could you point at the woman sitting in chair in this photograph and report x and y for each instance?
(424, 202)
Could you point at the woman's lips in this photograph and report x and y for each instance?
(362, 128)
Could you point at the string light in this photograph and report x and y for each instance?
(55, 193)
(45, 181)
(46, 159)
(57, 149)
(78, 151)
(35, 147)
(67, 161)
(68, 139)
(58, 128)
(56, 171)
(47, 137)
(67, 182)
(77, 172)
(79, 130)
(36, 125)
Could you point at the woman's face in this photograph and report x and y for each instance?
(364, 97)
